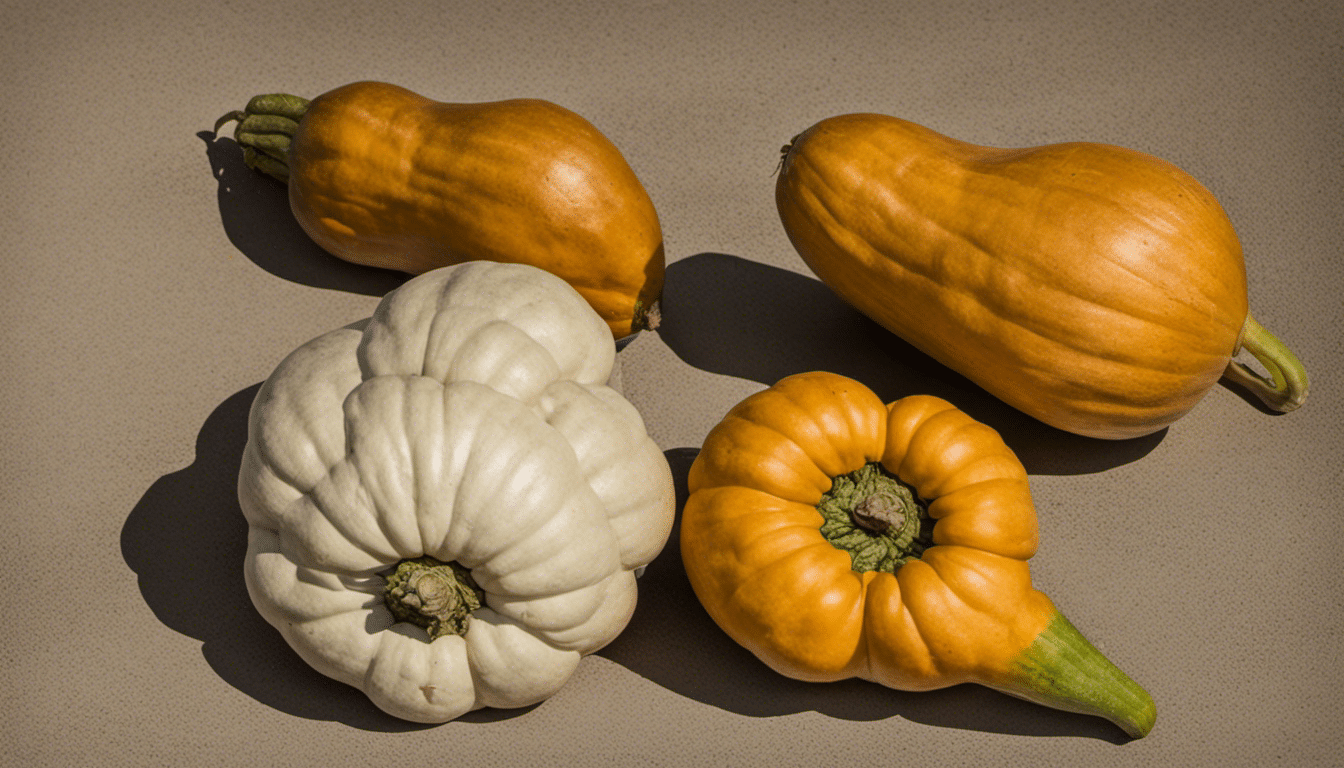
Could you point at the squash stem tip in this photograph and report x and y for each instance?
(647, 317)
(236, 115)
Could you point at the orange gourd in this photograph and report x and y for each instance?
(834, 536)
(1098, 289)
(381, 176)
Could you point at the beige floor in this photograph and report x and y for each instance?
(151, 282)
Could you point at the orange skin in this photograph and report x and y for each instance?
(753, 550)
(384, 177)
(1098, 289)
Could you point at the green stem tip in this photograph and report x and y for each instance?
(1286, 389)
(1061, 669)
(266, 126)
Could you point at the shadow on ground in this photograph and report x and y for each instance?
(254, 210)
(670, 641)
(674, 643)
(722, 314)
(195, 511)
(736, 317)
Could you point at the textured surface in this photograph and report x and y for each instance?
(150, 282)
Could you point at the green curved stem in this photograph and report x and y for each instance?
(1061, 669)
(1286, 390)
(264, 131)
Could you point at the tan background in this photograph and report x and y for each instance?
(150, 282)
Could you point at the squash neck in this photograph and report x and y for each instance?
(1061, 669)
(876, 518)
(266, 126)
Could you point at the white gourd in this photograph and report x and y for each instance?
(468, 420)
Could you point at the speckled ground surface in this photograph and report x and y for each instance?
(150, 282)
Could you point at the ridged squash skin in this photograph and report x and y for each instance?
(382, 176)
(1098, 289)
(835, 536)
(468, 421)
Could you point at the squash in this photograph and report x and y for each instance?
(446, 504)
(381, 176)
(1099, 289)
(834, 537)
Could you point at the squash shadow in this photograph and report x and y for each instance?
(728, 315)
(185, 540)
(254, 210)
(670, 639)
(673, 642)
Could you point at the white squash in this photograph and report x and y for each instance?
(467, 421)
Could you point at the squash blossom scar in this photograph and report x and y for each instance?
(436, 596)
(876, 518)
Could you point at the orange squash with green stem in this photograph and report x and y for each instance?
(1099, 289)
(381, 176)
(834, 536)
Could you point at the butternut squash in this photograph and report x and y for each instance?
(1099, 289)
(381, 176)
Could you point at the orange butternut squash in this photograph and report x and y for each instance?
(834, 536)
(1098, 289)
(381, 176)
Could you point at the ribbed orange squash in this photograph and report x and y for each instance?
(381, 176)
(835, 536)
(1098, 289)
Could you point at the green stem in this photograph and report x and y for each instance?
(432, 594)
(1286, 390)
(264, 131)
(1061, 669)
(876, 518)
